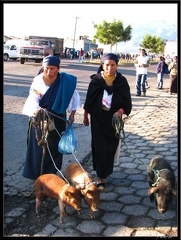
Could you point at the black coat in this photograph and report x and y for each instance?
(104, 142)
(121, 94)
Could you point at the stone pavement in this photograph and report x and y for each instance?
(125, 207)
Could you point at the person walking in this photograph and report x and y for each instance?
(160, 72)
(56, 93)
(173, 68)
(81, 56)
(101, 54)
(141, 63)
(146, 81)
(108, 96)
(71, 53)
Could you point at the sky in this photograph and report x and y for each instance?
(60, 19)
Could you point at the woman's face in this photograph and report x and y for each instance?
(110, 67)
(175, 59)
(51, 71)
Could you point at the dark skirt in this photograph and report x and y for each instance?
(32, 167)
(104, 143)
(173, 84)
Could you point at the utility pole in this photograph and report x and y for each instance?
(75, 31)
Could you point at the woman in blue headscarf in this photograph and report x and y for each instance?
(108, 95)
(55, 92)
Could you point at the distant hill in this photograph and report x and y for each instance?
(160, 29)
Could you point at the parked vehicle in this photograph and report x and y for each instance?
(10, 52)
(11, 49)
(70, 53)
(94, 54)
(37, 48)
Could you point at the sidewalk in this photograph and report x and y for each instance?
(125, 207)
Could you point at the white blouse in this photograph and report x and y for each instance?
(37, 90)
(107, 99)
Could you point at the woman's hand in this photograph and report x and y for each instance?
(86, 119)
(72, 117)
(119, 113)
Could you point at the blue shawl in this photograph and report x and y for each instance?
(58, 96)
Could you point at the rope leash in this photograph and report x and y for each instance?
(118, 125)
(67, 121)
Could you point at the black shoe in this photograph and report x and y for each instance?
(144, 94)
(138, 94)
(101, 186)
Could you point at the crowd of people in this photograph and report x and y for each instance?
(108, 97)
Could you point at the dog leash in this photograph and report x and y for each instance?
(67, 121)
(118, 125)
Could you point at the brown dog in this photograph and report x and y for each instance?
(81, 179)
(55, 187)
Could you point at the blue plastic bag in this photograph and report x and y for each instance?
(68, 142)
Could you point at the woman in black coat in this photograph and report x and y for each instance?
(108, 95)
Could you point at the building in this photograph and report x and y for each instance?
(82, 42)
(170, 50)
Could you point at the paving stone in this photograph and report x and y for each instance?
(16, 212)
(155, 214)
(111, 206)
(108, 196)
(125, 207)
(114, 218)
(135, 210)
(117, 231)
(47, 231)
(90, 227)
(130, 199)
(141, 222)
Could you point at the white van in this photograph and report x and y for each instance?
(10, 52)
(11, 49)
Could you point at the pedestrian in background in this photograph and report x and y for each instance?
(108, 96)
(160, 72)
(55, 92)
(173, 68)
(71, 54)
(81, 56)
(141, 63)
(101, 54)
(146, 81)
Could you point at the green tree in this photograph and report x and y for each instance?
(153, 44)
(112, 33)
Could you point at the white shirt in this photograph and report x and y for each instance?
(37, 90)
(139, 61)
(107, 99)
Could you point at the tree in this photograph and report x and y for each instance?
(153, 44)
(112, 33)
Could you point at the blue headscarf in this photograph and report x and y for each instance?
(58, 96)
(51, 61)
(107, 56)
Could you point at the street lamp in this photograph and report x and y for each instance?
(75, 31)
